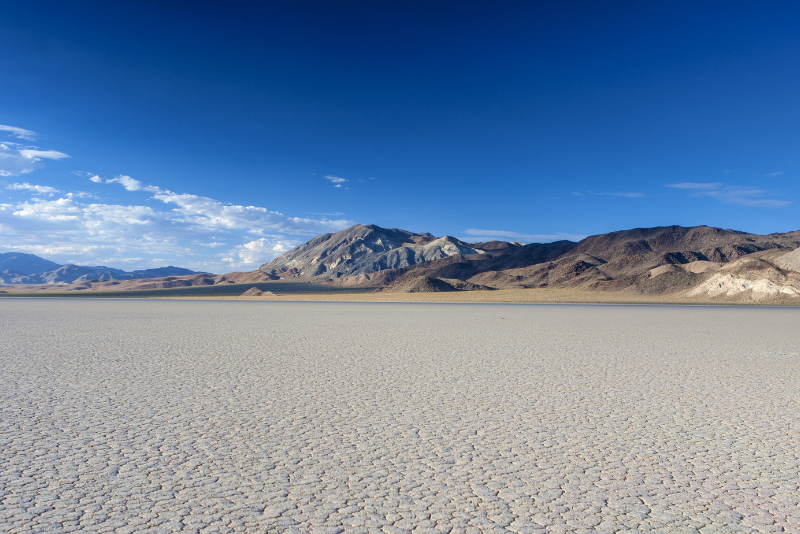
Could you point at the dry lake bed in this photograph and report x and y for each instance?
(222, 416)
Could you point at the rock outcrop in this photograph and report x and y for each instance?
(255, 292)
(430, 284)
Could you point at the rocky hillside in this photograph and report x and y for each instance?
(759, 276)
(363, 250)
(636, 260)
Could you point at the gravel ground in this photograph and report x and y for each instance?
(159, 416)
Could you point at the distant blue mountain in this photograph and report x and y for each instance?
(25, 263)
(21, 268)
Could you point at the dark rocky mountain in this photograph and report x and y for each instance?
(463, 267)
(626, 260)
(31, 269)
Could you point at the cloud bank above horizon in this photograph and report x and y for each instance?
(198, 232)
(154, 227)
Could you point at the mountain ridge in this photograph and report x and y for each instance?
(694, 262)
(657, 261)
(17, 268)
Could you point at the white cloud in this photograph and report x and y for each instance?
(61, 210)
(16, 159)
(90, 175)
(731, 194)
(476, 235)
(98, 216)
(19, 133)
(47, 154)
(128, 183)
(95, 218)
(259, 251)
(40, 189)
(336, 180)
(61, 250)
(773, 174)
(209, 214)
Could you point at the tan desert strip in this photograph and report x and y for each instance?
(532, 296)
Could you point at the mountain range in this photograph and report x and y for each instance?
(21, 268)
(698, 261)
(653, 261)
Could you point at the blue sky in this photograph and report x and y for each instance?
(217, 135)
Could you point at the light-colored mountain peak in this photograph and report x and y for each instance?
(364, 249)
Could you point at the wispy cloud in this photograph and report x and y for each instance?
(731, 194)
(475, 234)
(209, 214)
(40, 189)
(128, 183)
(16, 158)
(773, 174)
(336, 180)
(624, 194)
(697, 186)
(90, 175)
(19, 133)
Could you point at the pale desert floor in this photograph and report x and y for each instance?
(143, 415)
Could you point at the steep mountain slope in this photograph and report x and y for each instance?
(362, 250)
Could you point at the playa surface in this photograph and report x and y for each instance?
(230, 416)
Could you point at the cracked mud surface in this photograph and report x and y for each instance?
(159, 416)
